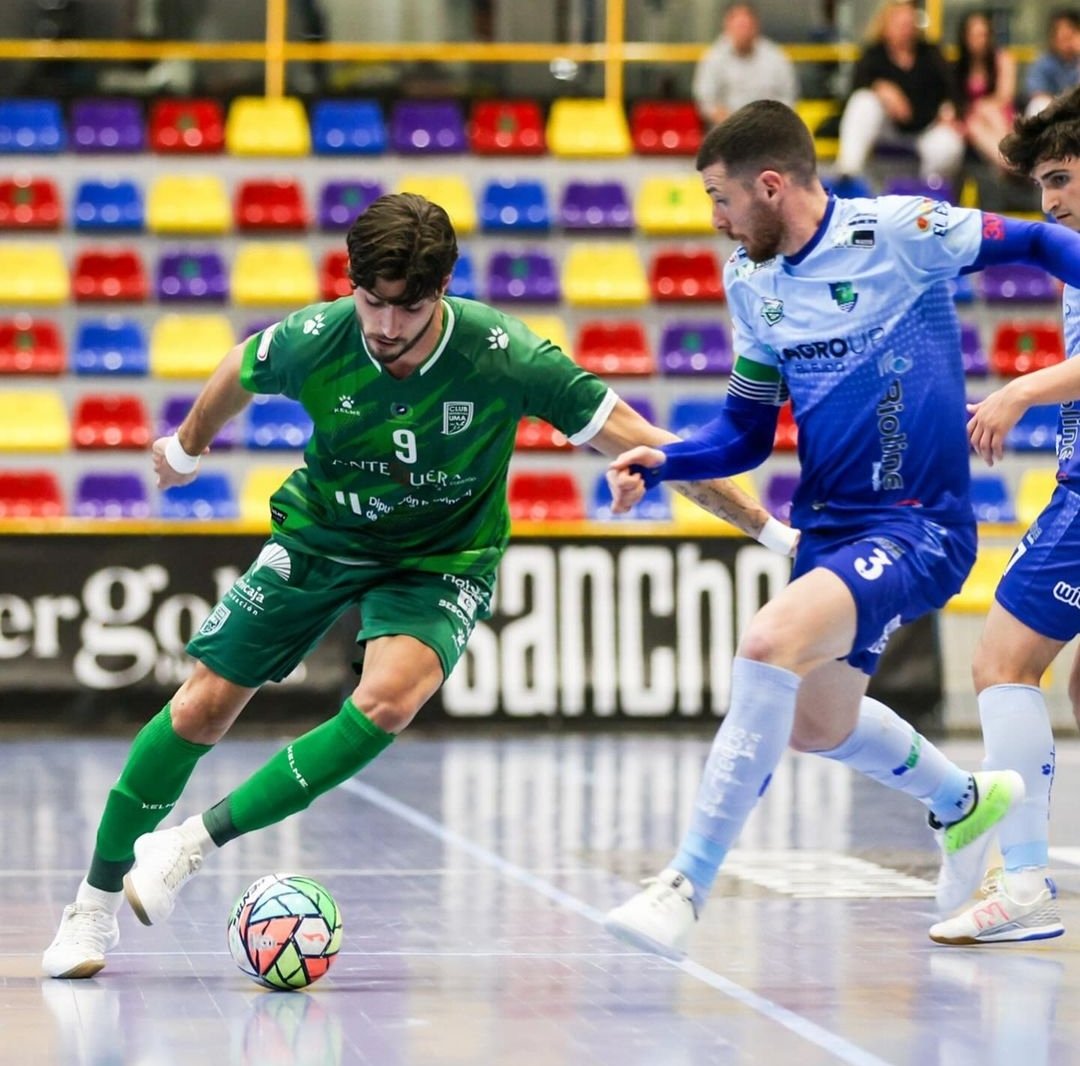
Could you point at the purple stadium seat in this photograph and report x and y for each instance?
(175, 409)
(522, 277)
(107, 126)
(1006, 282)
(595, 205)
(976, 362)
(779, 493)
(695, 347)
(111, 495)
(428, 126)
(644, 407)
(341, 201)
(192, 275)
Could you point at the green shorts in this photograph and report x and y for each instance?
(274, 614)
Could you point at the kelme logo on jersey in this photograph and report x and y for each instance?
(498, 338)
(346, 405)
(314, 326)
(457, 416)
(772, 309)
(844, 295)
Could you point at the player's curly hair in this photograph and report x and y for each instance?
(762, 135)
(1053, 133)
(403, 237)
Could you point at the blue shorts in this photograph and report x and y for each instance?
(897, 570)
(1041, 584)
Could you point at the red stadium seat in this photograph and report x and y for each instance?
(665, 127)
(787, 434)
(109, 275)
(110, 421)
(536, 435)
(30, 494)
(30, 346)
(267, 204)
(616, 348)
(192, 126)
(545, 497)
(29, 203)
(334, 276)
(510, 127)
(1020, 347)
(685, 275)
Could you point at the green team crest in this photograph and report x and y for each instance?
(844, 295)
(456, 416)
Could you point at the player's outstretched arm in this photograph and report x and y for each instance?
(176, 458)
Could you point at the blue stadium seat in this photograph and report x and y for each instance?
(689, 415)
(108, 205)
(347, 127)
(110, 345)
(31, 126)
(654, 506)
(1036, 431)
(210, 495)
(644, 406)
(463, 280)
(276, 422)
(520, 205)
(991, 500)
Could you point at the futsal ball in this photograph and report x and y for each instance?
(285, 931)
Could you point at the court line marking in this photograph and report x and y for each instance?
(810, 1031)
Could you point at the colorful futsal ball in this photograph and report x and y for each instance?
(285, 931)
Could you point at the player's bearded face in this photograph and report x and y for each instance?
(763, 232)
(741, 211)
(391, 329)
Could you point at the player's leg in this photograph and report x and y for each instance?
(863, 121)
(1074, 687)
(941, 151)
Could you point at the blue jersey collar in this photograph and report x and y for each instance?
(806, 249)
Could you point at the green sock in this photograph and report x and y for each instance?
(157, 769)
(308, 767)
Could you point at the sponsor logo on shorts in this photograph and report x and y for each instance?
(891, 626)
(214, 620)
(1066, 593)
(275, 557)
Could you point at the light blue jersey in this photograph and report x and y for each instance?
(1069, 416)
(860, 330)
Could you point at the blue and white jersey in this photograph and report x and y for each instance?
(860, 329)
(1068, 432)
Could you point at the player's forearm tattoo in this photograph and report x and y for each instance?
(726, 501)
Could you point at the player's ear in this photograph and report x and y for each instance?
(771, 182)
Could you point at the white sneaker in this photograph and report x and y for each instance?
(964, 844)
(659, 918)
(164, 862)
(78, 950)
(998, 918)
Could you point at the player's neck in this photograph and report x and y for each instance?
(421, 351)
(803, 213)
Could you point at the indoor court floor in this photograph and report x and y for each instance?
(473, 872)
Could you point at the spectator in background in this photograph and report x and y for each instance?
(742, 66)
(901, 94)
(1058, 68)
(984, 79)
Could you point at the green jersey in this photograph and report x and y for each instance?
(413, 471)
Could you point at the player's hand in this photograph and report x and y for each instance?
(990, 421)
(166, 476)
(627, 486)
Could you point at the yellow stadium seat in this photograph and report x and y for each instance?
(1034, 492)
(32, 274)
(189, 346)
(978, 591)
(183, 203)
(33, 421)
(450, 192)
(685, 512)
(267, 126)
(814, 113)
(588, 128)
(274, 274)
(604, 275)
(259, 485)
(673, 205)
(552, 328)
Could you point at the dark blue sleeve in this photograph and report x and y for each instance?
(1053, 247)
(739, 439)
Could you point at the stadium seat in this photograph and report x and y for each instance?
(644, 406)
(595, 205)
(518, 205)
(977, 595)
(962, 289)
(427, 126)
(274, 275)
(108, 205)
(779, 493)
(334, 275)
(260, 483)
(507, 127)
(189, 346)
(110, 495)
(847, 187)
(107, 126)
(695, 347)
(815, 112)
(276, 422)
(787, 433)
(1020, 347)
(536, 435)
(32, 274)
(1035, 431)
(550, 328)
(209, 496)
(1018, 282)
(30, 345)
(654, 506)
(545, 497)
(270, 204)
(109, 274)
(976, 363)
(685, 275)
(522, 277)
(614, 349)
(188, 203)
(110, 345)
(665, 127)
(33, 421)
(30, 494)
(587, 128)
(990, 499)
(191, 274)
(174, 410)
(604, 275)
(267, 126)
(450, 192)
(187, 126)
(35, 126)
(341, 201)
(932, 188)
(347, 127)
(1034, 491)
(110, 421)
(688, 415)
(29, 203)
(463, 280)
(667, 206)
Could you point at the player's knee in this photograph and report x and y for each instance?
(206, 705)
(762, 644)
(390, 709)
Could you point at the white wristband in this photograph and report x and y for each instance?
(777, 537)
(177, 458)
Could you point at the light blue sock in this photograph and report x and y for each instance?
(753, 736)
(889, 750)
(1017, 735)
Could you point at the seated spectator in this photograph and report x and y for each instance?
(741, 66)
(902, 94)
(1058, 68)
(984, 79)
